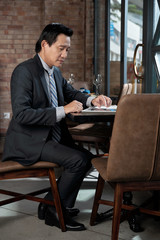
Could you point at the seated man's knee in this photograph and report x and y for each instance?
(81, 161)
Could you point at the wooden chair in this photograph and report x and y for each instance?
(96, 134)
(125, 90)
(14, 170)
(134, 156)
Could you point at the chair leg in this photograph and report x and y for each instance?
(89, 147)
(57, 200)
(98, 194)
(156, 197)
(97, 148)
(118, 197)
(80, 144)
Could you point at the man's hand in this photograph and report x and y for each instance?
(102, 100)
(74, 106)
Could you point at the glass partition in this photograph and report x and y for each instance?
(115, 44)
(156, 43)
(134, 38)
(116, 60)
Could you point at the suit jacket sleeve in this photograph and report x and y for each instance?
(30, 104)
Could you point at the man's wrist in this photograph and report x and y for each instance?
(89, 101)
(60, 113)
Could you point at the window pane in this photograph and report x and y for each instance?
(115, 41)
(157, 54)
(156, 15)
(134, 37)
(157, 59)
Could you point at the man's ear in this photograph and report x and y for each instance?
(44, 44)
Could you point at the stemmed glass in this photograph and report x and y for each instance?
(71, 79)
(97, 82)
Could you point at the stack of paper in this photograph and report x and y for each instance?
(112, 108)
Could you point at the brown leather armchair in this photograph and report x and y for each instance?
(134, 156)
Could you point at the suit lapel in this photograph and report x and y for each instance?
(42, 76)
(43, 80)
(58, 80)
(59, 88)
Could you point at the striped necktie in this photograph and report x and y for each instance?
(56, 130)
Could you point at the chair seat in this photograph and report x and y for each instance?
(9, 166)
(90, 129)
(14, 170)
(82, 127)
(92, 133)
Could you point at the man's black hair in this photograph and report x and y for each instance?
(50, 33)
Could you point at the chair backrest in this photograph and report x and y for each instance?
(134, 150)
(125, 90)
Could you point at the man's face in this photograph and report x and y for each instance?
(55, 54)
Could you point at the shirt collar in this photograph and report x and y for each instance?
(46, 67)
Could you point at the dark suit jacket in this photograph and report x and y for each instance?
(33, 115)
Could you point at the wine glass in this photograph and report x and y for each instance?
(97, 82)
(71, 79)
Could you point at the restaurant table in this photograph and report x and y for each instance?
(91, 115)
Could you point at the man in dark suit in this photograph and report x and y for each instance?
(37, 131)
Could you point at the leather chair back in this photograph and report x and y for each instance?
(125, 90)
(134, 150)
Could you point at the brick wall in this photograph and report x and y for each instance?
(77, 15)
(21, 22)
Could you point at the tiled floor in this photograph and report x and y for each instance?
(18, 221)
